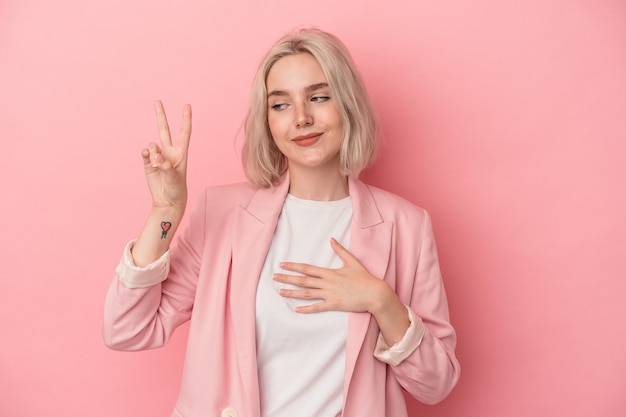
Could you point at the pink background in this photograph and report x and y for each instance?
(506, 120)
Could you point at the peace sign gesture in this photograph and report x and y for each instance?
(165, 165)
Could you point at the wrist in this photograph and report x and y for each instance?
(174, 212)
(390, 314)
(384, 300)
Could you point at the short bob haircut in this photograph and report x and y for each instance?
(263, 162)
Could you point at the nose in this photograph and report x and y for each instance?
(303, 115)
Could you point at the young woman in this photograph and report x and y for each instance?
(309, 292)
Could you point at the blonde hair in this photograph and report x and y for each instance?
(263, 162)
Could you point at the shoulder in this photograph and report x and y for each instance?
(393, 206)
(216, 205)
(411, 223)
(219, 202)
(228, 194)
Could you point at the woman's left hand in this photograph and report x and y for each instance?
(349, 288)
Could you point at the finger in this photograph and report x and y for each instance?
(305, 269)
(300, 294)
(152, 155)
(313, 308)
(342, 252)
(185, 129)
(145, 155)
(164, 129)
(299, 281)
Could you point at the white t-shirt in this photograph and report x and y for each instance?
(301, 357)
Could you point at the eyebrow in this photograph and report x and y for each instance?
(311, 88)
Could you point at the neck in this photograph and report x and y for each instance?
(316, 185)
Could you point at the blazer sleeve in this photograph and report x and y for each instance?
(144, 306)
(431, 371)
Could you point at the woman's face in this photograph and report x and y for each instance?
(302, 115)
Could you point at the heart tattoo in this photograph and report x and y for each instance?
(165, 227)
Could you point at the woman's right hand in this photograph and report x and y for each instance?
(165, 165)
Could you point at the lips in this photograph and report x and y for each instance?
(307, 140)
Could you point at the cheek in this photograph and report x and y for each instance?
(334, 117)
(275, 133)
(338, 124)
(275, 126)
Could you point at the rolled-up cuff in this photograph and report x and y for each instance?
(411, 340)
(133, 276)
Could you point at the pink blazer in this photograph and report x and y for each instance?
(212, 276)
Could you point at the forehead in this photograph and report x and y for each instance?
(294, 73)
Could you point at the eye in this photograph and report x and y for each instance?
(278, 106)
(320, 99)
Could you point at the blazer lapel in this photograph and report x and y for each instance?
(370, 243)
(253, 231)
